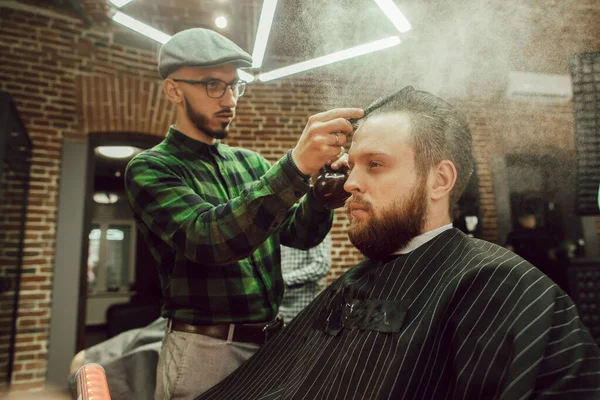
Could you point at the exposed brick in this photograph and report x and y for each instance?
(35, 365)
(63, 77)
(27, 348)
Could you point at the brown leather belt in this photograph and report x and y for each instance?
(257, 333)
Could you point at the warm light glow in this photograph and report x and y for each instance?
(104, 198)
(140, 27)
(245, 76)
(262, 34)
(120, 3)
(330, 58)
(392, 11)
(221, 22)
(116, 151)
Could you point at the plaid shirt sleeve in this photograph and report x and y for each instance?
(303, 266)
(224, 233)
(302, 272)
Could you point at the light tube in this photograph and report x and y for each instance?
(330, 58)
(140, 27)
(262, 34)
(120, 3)
(245, 76)
(392, 11)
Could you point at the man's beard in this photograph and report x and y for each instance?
(201, 122)
(393, 228)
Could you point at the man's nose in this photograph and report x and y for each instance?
(353, 184)
(229, 99)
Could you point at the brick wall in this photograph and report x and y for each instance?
(69, 79)
(32, 72)
(42, 55)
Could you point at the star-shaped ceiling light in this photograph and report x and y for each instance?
(267, 14)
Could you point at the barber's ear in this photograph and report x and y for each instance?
(443, 179)
(172, 91)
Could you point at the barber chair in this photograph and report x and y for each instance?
(91, 383)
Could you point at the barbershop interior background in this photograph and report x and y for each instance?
(73, 81)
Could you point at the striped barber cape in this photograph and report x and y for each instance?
(457, 318)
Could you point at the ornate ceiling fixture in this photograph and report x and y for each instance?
(389, 8)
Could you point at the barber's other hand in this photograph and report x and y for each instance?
(318, 144)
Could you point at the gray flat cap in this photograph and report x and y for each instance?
(198, 47)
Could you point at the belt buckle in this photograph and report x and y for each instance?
(265, 329)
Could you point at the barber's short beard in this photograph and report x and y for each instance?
(393, 228)
(201, 122)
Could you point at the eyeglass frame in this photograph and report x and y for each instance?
(206, 82)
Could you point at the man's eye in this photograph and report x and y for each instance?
(374, 164)
(214, 84)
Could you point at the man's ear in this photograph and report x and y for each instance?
(443, 179)
(172, 91)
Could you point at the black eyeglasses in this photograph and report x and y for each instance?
(215, 88)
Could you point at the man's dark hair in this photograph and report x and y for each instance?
(438, 132)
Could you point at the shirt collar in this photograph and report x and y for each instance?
(193, 145)
(423, 238)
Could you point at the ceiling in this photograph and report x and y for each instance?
(462, 48)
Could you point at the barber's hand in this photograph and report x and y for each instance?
(340, 162)
(323, 139)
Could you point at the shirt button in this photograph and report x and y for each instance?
(298, 194)
(275, 224)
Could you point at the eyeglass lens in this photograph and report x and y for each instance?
(216, 89)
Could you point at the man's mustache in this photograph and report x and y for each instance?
(357, 202)
(225, 112)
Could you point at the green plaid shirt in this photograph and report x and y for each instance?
(214, 217)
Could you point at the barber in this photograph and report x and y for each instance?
(214, 216)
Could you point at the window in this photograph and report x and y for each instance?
(111, 256)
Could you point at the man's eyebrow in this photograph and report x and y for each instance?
(377, 153)
(212, 78)
(374, 152)
(370, 154)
